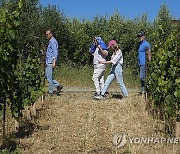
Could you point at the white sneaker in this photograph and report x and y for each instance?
(95, 95)
(100, 97)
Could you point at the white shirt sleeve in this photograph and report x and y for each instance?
(117, 58)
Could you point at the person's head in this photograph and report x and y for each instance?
(49, 34)
(113, 45)
(141, 36)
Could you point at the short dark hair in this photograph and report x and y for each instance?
(50, 30)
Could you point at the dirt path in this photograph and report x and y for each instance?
(74, 123)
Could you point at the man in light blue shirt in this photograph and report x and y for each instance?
(144, 55)
(51, 61)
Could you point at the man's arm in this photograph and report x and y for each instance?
(105, 62)
(55, 53)
(104, 52)
(148, 54)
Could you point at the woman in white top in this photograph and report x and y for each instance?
(116, 70)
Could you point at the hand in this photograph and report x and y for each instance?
(54, 64)
(42, 51)
(99, 47)
(101, 62)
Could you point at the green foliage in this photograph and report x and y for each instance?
(8, 50)
(164, 70)
(22, 29)
(162, 25)
(20, 74)
(6, 151)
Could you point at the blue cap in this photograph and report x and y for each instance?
(98, 38)
(101, 43)
(140, 34)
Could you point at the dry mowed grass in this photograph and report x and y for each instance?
(74, 123)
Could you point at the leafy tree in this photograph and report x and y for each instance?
(164, 70)
(21, 76)
(162, 25)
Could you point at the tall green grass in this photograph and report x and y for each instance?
(81, 77)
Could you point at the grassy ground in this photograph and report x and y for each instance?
(82, 77)
(74, 123)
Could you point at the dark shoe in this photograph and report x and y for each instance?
(141, 93)
(59, 88)
(105, 96)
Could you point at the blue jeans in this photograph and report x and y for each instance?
(142, 77)
(116, 72)
(49, 75)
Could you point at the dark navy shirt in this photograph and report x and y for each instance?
(144, 45)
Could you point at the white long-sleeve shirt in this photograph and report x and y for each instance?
(117, 57)
(98, 56)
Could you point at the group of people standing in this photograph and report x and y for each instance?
(99, 50)
(100, 62)
(100, 54)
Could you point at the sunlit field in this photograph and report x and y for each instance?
(81, 77)
(74, 122)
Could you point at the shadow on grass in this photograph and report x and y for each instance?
(9, 144)
(28, 127)
(25, 130)
(117, 96)
(103, 150)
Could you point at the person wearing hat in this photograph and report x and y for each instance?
(99, 52)
(144, 55)
(116, 70)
